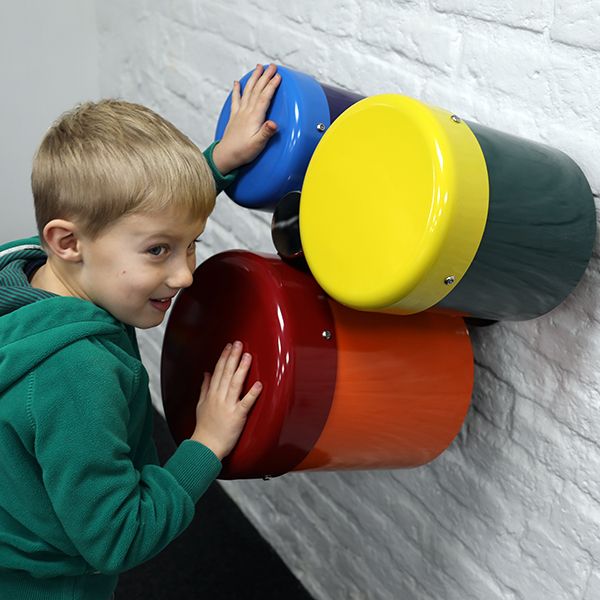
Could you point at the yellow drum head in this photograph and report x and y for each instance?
(393, 205)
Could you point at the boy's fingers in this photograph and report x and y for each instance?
(231, 364)
(235, 97)
(272, 86)
(266, 97)
(250, 398)
(219, 367)
(238, 378)
(252, 82)
(266, 78)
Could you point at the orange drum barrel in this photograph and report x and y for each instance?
(403, 387)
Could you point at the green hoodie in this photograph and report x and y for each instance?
(82, 497)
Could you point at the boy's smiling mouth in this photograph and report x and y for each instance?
(162, 304)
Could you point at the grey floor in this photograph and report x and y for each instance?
(221, 556)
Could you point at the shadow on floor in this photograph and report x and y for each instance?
(221, 556)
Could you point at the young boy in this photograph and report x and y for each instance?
(121, 197)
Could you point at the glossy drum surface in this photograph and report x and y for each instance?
(403, 388)
(280, 315)
(539, 233)
(285, 230)
(343, 389)
(407, 207)
(394, 202)
(303, 109)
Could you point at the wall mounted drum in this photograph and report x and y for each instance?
(343, 389)
(303, 109)
(405, 207)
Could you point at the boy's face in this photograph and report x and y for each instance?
(135, 267)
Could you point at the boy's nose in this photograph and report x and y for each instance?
(182, 277)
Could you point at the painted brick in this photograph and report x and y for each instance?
(519, 59)
(340, 19)
(234, 26)
(181, 10)
(411, 33)
(291, 47)
(528, 14)
(592, 590)
(577, 23)
(548, 551)
(515, 569)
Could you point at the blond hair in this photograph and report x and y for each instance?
(104, 160)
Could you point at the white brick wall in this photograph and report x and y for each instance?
(512, 509)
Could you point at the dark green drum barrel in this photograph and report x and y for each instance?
(539, 232)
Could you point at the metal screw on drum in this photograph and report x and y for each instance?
(320, 126)
(456, 118)
(327, 334)
(449, 280)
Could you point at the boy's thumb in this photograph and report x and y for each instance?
(268, 130)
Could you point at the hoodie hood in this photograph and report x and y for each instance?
(15, 290)
(34, 323)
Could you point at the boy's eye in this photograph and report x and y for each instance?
(192, 247)
(157, 250)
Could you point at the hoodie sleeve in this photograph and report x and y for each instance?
(116, 515)
(221, 181)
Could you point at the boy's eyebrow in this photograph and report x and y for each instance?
(164, 234)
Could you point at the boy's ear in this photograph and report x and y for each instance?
(62, 239)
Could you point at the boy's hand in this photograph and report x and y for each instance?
(247, 132)
(220, 414)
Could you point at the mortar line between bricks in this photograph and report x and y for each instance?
(182, 66)
(476, 409)
(545, 464)
(451, 533)
(489, 21)
(548, 467)
(535, 458)
(538, 350)
(336, 508)
(543, 407)
(490, 481)
(518, 392)
(533, 557)
(485, 469)
(593, 571)
(435, 519)
(305, 27)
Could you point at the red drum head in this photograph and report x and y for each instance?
(280, 315)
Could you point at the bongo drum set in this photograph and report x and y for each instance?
(393, 221)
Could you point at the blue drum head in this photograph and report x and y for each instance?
(300, 110)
